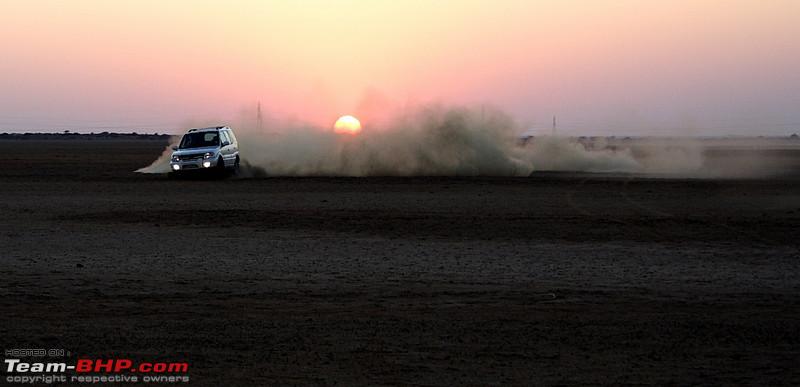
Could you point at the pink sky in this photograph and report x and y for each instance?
(603, 67)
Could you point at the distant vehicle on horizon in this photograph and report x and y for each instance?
(206, 149)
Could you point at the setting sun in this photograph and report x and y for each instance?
(347, 125)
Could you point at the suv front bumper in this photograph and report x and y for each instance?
(190, 165)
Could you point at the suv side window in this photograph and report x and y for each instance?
(231, 136)
(225, 139)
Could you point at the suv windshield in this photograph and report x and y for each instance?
(199, 140)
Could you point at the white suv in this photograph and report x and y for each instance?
(214, 149)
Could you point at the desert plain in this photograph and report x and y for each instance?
(560, 278)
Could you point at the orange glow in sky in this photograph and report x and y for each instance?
(683, 66)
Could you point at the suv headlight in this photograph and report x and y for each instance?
(176, 158)
(208, 155)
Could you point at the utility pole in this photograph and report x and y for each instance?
(259, 119)
(554, 126)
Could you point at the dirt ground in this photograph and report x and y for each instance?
(556, 279)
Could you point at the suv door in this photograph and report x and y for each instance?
(234, 144)
(225, 147)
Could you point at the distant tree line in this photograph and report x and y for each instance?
(67, 135)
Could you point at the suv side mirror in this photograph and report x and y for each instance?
(225, 143)
(174, 147)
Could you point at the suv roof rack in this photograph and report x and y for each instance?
(208, 128)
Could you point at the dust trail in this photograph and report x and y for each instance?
(433, 140)
(565, 154)
(161, 165)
